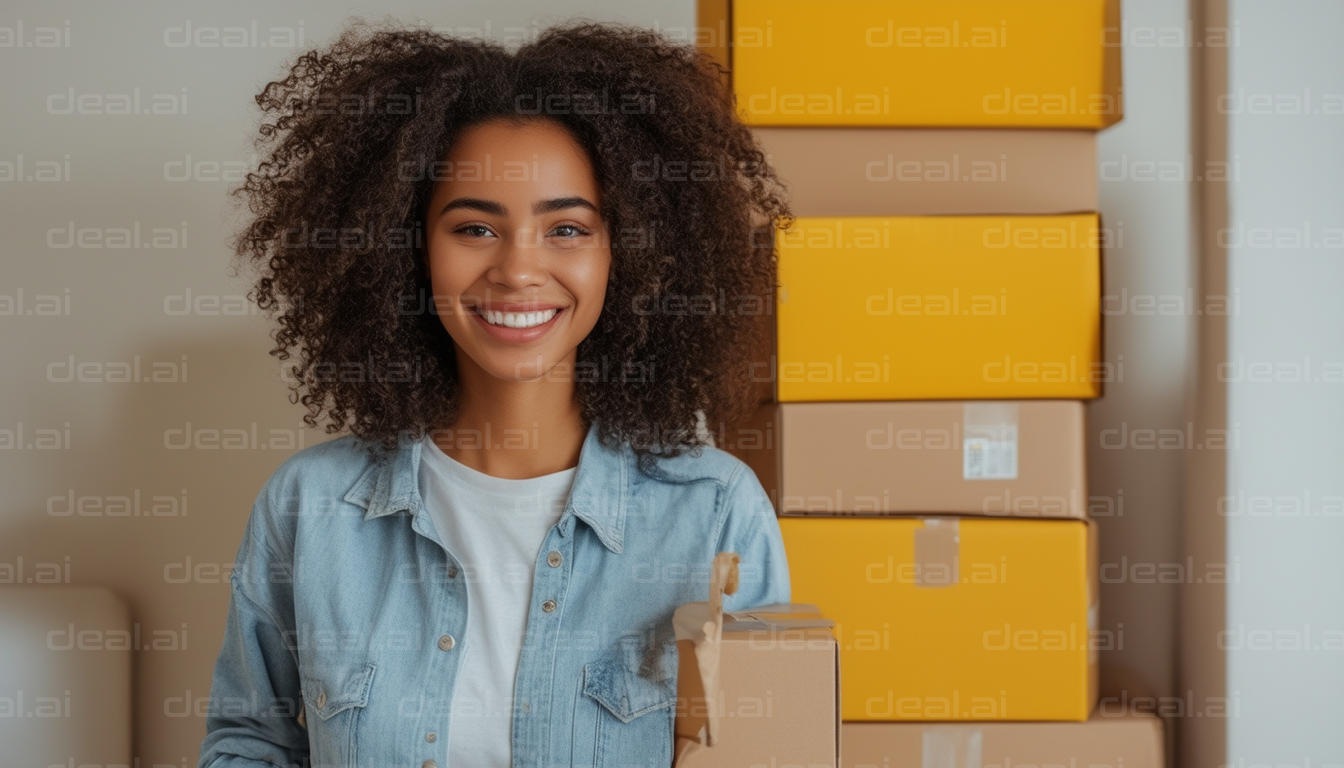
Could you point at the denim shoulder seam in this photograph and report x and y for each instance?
(725, 495)
(270, 556)
(263, 609)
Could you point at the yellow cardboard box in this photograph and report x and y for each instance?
(955, 619)
(938, 308)
(950, 63)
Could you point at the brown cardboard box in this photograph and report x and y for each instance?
(914, 171)
(1128, 740)
(1020, 458)
(778, 695)
(758, 687)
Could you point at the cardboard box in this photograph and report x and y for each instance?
(758, 687)
(954, 618)
(778, 693)
(987, 63)
(913, 171)
(1020, 458)
(1129, 740)
(938, 308)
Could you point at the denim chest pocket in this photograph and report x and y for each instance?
(334, 694)
(635, 695)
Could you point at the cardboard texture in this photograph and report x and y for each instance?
(1019, 458)
(954, 618)
(988, 63)
(938, 308)
(779, 703)
(1129, 740)
(755, 687)
(699, 632)
(914, 171)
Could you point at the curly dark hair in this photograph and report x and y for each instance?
(350, 138)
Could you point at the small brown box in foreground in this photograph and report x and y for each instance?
(778, 701)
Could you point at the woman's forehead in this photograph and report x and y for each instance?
(530, 162)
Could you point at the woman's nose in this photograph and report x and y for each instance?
(519, 262)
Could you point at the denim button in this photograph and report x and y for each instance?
(321, 699)
(554, 559)
(430, 737)
(445, 644)
(429, 764)
(548, 606)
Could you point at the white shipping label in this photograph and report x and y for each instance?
(952, 746)
(990, 454)
(989, 443)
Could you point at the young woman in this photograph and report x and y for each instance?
(526, 281)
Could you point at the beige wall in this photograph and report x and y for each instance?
(112, 435)
(1145, 168)
(1202, 665)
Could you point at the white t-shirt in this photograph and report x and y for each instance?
(495, 527)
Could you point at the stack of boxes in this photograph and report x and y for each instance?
(936, 333)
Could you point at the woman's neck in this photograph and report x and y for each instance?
(513, 429)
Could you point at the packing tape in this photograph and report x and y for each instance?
(952, 746)
(989, 441)
(938, 552)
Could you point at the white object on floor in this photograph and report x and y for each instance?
(65, 676)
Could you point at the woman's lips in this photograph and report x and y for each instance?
(517, 335)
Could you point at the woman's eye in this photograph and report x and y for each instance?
(475, 230)
(569, 230)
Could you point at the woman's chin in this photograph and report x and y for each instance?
(528, 368)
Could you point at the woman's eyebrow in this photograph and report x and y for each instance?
(561, 203)
(474, 203)
(497, 209)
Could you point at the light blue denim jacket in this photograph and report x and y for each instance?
(348, 609)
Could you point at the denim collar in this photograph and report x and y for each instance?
(598, 496)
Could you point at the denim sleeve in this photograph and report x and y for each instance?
(254, 694)
(751, 530)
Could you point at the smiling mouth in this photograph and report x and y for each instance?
(517, 319)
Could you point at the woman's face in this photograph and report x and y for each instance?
(518, 255)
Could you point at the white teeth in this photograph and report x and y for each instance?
(518, 319)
